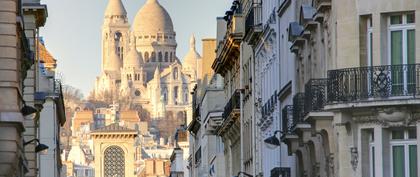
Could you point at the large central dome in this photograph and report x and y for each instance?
(152, 18)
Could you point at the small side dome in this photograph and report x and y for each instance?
(190, 60)
(115, 8)
(133, 58)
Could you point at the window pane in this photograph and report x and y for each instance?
(396, 47)
(413, 160)
(398, 161)
(370, 49)
(397, 134)
(396, 59)
(411, 18)
(373, 162)
(412, 134)
(411, 46)
(396, 19)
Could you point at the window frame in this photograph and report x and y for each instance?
(404, 27)
(406, 143)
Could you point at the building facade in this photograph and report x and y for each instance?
(34, 16)
(355, 104)
(114, 151)
(29, 94)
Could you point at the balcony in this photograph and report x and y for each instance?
(288, 121)
(227, 53)
(231, 113)
(253, 24)
(373, 86)
(315, 95)
(298, 108)
(321, 7)
(233, 106)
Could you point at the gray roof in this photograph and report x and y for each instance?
(113, 128)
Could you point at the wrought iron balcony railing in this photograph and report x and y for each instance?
(287, 120)
(232, 105)
(298, 108)
(373, 83)
(253, 23)
(315, 95)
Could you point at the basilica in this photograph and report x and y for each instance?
(140, 64)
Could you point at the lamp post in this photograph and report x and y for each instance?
(243, 173)
(277, 171)
(273, 140)
(39, 148)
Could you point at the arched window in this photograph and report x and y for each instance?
(165, 95)
(186, 97)
(176, 94)
(170, 57)
(175, 73)
(153, 57)
(160, 57)
(146, 56)
(166, 56)
(114, 161)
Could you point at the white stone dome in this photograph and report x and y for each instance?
(152, 18)
(115, 8)
(133, 58)
(190, 60)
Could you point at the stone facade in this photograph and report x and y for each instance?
(114, 151)
(354, 105)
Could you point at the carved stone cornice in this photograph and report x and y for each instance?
(389, 117)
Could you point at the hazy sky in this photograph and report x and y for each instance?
(73, 32)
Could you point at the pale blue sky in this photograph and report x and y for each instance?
(73, 28)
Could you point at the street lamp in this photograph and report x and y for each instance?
(277, 171)
(273, 140)
(28, 110)
(246, 174)
(39, 148)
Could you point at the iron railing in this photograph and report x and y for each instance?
(232, 104)
(254, 17)
(269, 106)
(375, 82)
(315, 95)
(298, 108)
(287, 120)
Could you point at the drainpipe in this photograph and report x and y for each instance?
(241, 107)
(11, 120)
(254, 117)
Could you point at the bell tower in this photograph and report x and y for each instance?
(115, 31)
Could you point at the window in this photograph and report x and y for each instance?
(166, 56)
(137, 93)
(114, 161)
(153, 57)
(369, 42)
(160, 57)
(146, 56)
(175, 73)
(401, 44)
(403, 153)
(372, 153)
(176, 94)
